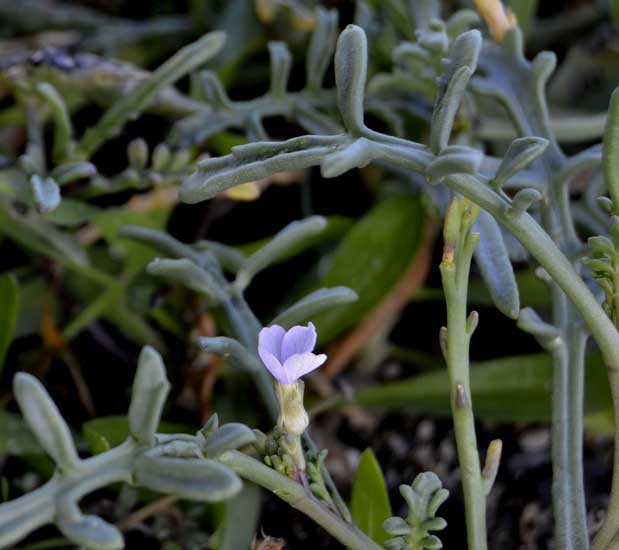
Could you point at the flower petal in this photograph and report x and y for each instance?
(298, 340)
(275, 367)
(270, 340)
(301, 363)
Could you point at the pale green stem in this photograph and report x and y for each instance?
(576, 347)
(541, 246)
(607, 538)
(295, 495)
(25, 514)
(544, 250)
(567, 128)
(455, 284)
(569, 506)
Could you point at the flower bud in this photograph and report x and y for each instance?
(293, 418)
(137, 151)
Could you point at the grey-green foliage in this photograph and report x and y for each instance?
(70, 159)
(179, 464)
(206, 263)
(529, 183)
(201, 267)
(218, 112)
(527, 191)
(424, 497)
(361, 145)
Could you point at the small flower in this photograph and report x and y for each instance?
(288, 354)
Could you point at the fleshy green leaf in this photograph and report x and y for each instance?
(231, 351)
(350, 76)
(150, 389)
(520, 154)
(457, 71)
(229, 437)
(131, 105)
(611, 150)
(189, 274)
(91, 532)
(369, 504)
(321, 47)
(45, 420)
(495, 266)
(312, 304)
(197, 479)
(288, 238)
(63, 130)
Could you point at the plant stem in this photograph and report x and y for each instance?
(295, 495)
(567, 410)
(25, 514)
(541, 246)
(607, 538)
(455, 273)
(576, 347)
(566, 127)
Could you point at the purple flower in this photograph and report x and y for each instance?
(288, 354)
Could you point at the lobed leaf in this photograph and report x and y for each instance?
(130, 106)
(350, 77)
(150, 389)
(229, 437)
(312, 304)
(189, 274)
(231, 351)
(91, 532)
(289, 237)
(45, 421)
(520, 154)
(197, 479)
(458, 69)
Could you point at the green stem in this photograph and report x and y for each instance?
(455, 284)
(576, 347)
(607, 538)
(33, 510)
(544, 250)
(567, 490)
(541, 246)
(567, 127)
(295, 495)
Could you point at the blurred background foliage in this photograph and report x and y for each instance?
(76, 302)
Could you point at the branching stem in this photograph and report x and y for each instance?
(294, 494)
(455, 272)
